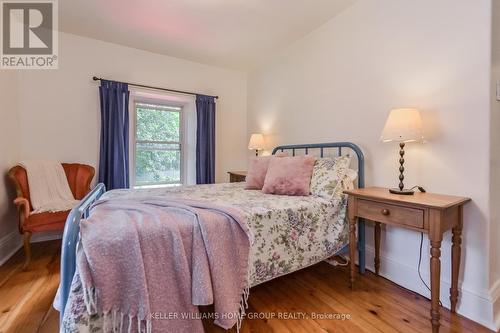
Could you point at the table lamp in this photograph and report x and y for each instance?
(256, 142)
(402, 125)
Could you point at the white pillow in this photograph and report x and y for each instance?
(349, 179)
(352, 175)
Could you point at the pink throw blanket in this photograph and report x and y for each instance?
(146, 264)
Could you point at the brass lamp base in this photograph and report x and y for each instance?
(403, 191)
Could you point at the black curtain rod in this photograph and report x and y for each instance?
(95, 78)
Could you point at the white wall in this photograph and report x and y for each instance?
(339, 83)
(9, 138)
(59, 109)
(495, 162)
(54, 114)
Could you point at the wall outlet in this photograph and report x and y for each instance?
(498, 90)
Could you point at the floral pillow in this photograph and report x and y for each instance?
(328, 174)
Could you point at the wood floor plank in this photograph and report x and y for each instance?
(13, 265)
(289, 307)
(381, 288)
(376, 305)
(314, 294)
(51, 322)
(27, 295)
(351, 299)
(394, 314)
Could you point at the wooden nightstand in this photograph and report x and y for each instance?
(423, 212)
(237, 176)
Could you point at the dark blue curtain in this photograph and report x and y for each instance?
(113, 161)
(205, 139)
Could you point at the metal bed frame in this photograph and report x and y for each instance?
(71, 234)
(361, 182)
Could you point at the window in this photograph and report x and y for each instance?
(158, 149)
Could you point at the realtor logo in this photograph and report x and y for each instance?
(29, 34)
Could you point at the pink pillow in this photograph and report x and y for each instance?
(257, 170)
(289, 175)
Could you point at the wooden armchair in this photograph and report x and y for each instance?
(79, 178)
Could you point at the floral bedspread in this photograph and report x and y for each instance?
(288, 233)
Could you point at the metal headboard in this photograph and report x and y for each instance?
(341, 147)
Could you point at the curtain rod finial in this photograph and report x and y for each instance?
(95, 78)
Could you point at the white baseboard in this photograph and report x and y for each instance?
(477, 306)
(495, 296)
(9, 244)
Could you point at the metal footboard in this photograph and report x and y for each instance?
(70, 240)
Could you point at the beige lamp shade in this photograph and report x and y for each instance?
(403, 125)
(256, 142)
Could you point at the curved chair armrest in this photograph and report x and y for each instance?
(23, 208)
(24, 204)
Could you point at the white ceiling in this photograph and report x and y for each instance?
(237, 34)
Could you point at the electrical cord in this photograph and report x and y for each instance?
(420, 188)
(335, 262)
(420, 261)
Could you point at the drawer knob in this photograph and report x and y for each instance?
(385, 212)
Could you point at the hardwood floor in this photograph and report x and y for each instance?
(376, 304)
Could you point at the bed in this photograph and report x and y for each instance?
(288, 233)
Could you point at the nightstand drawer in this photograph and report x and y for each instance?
(386, 213)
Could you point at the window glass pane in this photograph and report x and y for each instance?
(157, 164)
(158, 146)
(157, 123)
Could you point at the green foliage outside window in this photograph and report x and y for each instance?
(158, 155)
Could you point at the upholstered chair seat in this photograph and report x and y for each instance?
(79, 178)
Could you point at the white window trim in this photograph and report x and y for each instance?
(133, 139)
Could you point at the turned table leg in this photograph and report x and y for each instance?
(377, 247)
(456, 240)
(435, 283)
(435, 238)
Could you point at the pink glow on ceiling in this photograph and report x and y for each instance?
(237, 34)
(154, 24)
